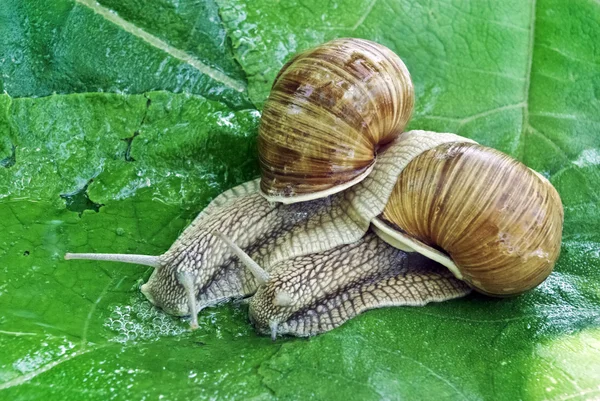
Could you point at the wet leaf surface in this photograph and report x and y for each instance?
(120, 121)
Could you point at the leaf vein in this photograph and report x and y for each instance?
(418, 363)
(88, 319)
(31, 375)
(364, 16)
(154, 41)
(527, 85)
(17, 333)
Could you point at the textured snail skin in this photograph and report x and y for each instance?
(499, 221)
(272, 232)
(317, 239)
(268, 232)
(329, 111)
(316, 293)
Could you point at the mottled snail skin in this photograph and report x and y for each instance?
(316, 293)
(330, 110)
(499, 221)
(268, 232)
(271, 232)
(199, 269)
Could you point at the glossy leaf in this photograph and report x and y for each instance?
(120, 120)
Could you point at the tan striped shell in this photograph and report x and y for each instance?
(330, 109)
(499, 221)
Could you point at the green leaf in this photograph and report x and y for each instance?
(121, 120)
(83, 46)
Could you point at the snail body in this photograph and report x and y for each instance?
(315, 293)
(200, 269)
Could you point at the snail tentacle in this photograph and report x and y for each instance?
(146, 260)
(187, 280)
(259, 273)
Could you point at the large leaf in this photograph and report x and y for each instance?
(122, 119)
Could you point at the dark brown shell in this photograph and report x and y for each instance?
(329, 111)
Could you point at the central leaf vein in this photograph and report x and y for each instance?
(127, 26)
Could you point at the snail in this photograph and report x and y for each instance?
(338, 173)
(311, 294)
(498, 223)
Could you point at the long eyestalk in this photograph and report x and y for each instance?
(259, 273)
(147, 260)
(187, 280)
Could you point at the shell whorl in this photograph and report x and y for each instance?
(330, 109)
(499, 221)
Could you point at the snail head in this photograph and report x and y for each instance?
(178, 277)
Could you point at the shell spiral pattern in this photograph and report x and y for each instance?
(330, 110)
(499, 221)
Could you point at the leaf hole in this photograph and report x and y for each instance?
(79, 201)
(11, 159)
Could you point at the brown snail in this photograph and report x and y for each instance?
(329, 112)
(331, 180)
(498, 223)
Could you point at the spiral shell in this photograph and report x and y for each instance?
(330, 110)
(499, 221)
